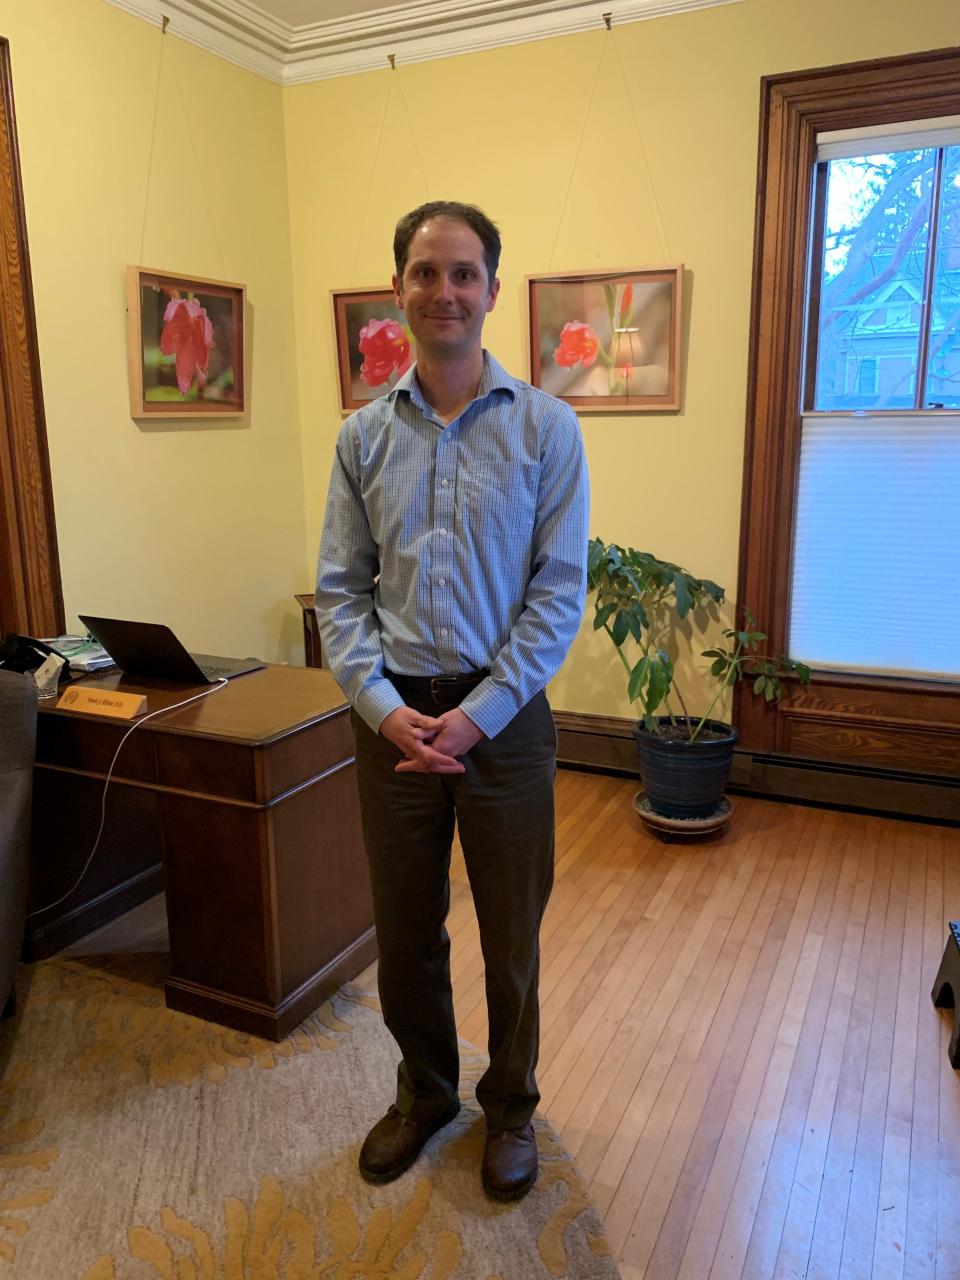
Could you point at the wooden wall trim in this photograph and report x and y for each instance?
(793, 109)
(605, 744)
(31, 594)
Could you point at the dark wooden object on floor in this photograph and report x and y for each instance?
(311, 632)
(947, 988)
(248, 798)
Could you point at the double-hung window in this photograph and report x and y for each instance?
(850, 535)
(876, 544)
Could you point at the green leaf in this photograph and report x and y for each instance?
(603, 613)
(638, 677)
(759, 684)
(661, 678)
(621, 627)
(685, 598)
(718, 666)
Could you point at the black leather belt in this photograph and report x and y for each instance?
(448, 689)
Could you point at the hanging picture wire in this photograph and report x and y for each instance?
(608, 341)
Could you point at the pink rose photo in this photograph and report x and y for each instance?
(374, 345)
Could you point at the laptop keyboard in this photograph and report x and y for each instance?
(218, 673)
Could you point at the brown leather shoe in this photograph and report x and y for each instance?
(509, 1167)
(394, 1142)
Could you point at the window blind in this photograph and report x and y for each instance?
(911, 135)
(877, 546)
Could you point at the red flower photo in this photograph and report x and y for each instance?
(385, 347)
(578, 345)
(187, 335)
(607, 341)
(186, 340)
(374, 345)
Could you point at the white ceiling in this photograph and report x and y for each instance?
(294, 41)
(303, 13)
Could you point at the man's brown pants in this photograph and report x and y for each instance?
(503, 807)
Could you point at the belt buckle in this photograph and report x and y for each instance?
(438, 684)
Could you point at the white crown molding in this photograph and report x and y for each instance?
(417, 31)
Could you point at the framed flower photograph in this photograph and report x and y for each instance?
(185, 346)
(607, 342)
(374, 345)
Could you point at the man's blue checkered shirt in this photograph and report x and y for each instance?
(457, 548)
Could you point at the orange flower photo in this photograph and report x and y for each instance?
(374, 345)
(607, 341)
(185, 346)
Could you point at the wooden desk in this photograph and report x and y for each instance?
(248, 798)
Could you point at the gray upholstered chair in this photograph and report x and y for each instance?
(18, 741)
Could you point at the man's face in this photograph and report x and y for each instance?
(444, 292)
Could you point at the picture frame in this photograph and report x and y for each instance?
(185, 345)
(607, 341)
(369, 363)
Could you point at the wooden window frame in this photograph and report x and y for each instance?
(871, 721)
(31, 594)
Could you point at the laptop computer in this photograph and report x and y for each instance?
(151, 649)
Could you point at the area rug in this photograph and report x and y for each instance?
(141, 1144)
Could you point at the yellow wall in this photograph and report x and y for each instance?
(197, 525)
(502, 129)
(213, 528)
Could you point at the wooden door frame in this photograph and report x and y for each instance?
(31, 593)
(865, 720)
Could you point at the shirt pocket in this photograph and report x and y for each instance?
(500, 501)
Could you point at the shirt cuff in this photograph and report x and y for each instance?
(375, 702)
(490, 706)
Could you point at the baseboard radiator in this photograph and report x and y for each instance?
(605, 744)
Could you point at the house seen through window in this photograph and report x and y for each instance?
(887, 333)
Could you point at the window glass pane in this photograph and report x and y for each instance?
(943, 357)
(876, 546)
(871, 280)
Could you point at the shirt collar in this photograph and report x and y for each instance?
(493, 378)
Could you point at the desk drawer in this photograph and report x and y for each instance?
(256, 773)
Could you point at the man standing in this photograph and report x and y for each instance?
(450, 585)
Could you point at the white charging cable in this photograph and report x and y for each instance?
(103, 803)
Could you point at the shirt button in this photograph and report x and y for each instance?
(443, 631)
(442, 532)
(444, 482)
(442, 582)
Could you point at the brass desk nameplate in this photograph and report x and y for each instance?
(103, 702)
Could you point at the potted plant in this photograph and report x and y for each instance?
(684, 758)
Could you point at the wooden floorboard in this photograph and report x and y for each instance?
(737, 1040)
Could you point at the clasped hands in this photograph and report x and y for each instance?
(430, 744)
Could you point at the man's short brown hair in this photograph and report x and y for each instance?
(475, 219)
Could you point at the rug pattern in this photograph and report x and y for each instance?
(137, 1143)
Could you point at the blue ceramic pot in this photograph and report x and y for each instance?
(685, 779)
